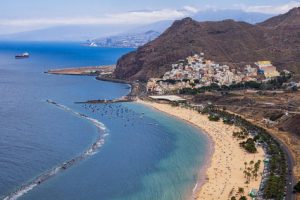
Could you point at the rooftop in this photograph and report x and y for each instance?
(173, 98)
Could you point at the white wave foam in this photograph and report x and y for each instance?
(89, 152)
(21, 192)
(195, 188)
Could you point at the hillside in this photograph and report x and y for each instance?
(276, 39)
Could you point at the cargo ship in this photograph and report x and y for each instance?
(23, 55)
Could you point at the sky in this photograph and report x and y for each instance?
(24, 15)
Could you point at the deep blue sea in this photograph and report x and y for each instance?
(140, 154)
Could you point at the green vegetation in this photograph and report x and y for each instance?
(241, 135)
(297, 187)
(241, 190)
(274, 187)
(214, 118)
(228, 121)
(191, 91)
(240, 193)
(252, 170)
(249, 145)
(175, 104)
(192, 84)
(170, 81)
(273, 84)
(243, 198)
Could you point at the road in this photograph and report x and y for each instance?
(259, 108)
(291, 180)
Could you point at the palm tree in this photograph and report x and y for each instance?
(245, 173)
(245, 163)
(255, 176)
(241, 190)
(251, 162)
(248, 176)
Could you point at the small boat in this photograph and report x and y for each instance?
(23, 55)
(90, 43)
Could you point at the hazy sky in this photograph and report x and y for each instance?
(20, 15)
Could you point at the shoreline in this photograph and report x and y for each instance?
(201, 177)
(201, 180)
(217, 178)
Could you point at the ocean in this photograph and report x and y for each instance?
(52, 148)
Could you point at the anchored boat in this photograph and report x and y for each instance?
(23, 55)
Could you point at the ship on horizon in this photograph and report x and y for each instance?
(23, 55)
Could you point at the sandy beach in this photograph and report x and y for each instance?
(225, 170)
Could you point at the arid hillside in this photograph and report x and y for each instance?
(228, 41)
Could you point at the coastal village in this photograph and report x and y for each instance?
(196, 71)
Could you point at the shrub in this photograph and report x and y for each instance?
(227, 121)
(297, 187)
(214, 118)
(274, 188)
(249, 145)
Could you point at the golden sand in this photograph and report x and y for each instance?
(225, 173)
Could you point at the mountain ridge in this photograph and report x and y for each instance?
(90, 32)
(225, 41)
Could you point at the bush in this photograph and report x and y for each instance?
(196, 81)
(170, 81)
(228, 121)
(249, 145)
(241, 135)
(297, 187)
(214, 118)
(274, 188)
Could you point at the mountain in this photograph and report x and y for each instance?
(90, 32)
(133, 40)
(135, 37)
(159, 26)
(288, 19)
(283, 35)
(237, 15)
(144, 34)
(277, 39)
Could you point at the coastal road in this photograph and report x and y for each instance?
(260, 108)
(291, 180)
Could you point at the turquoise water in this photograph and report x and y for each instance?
(145, 155)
